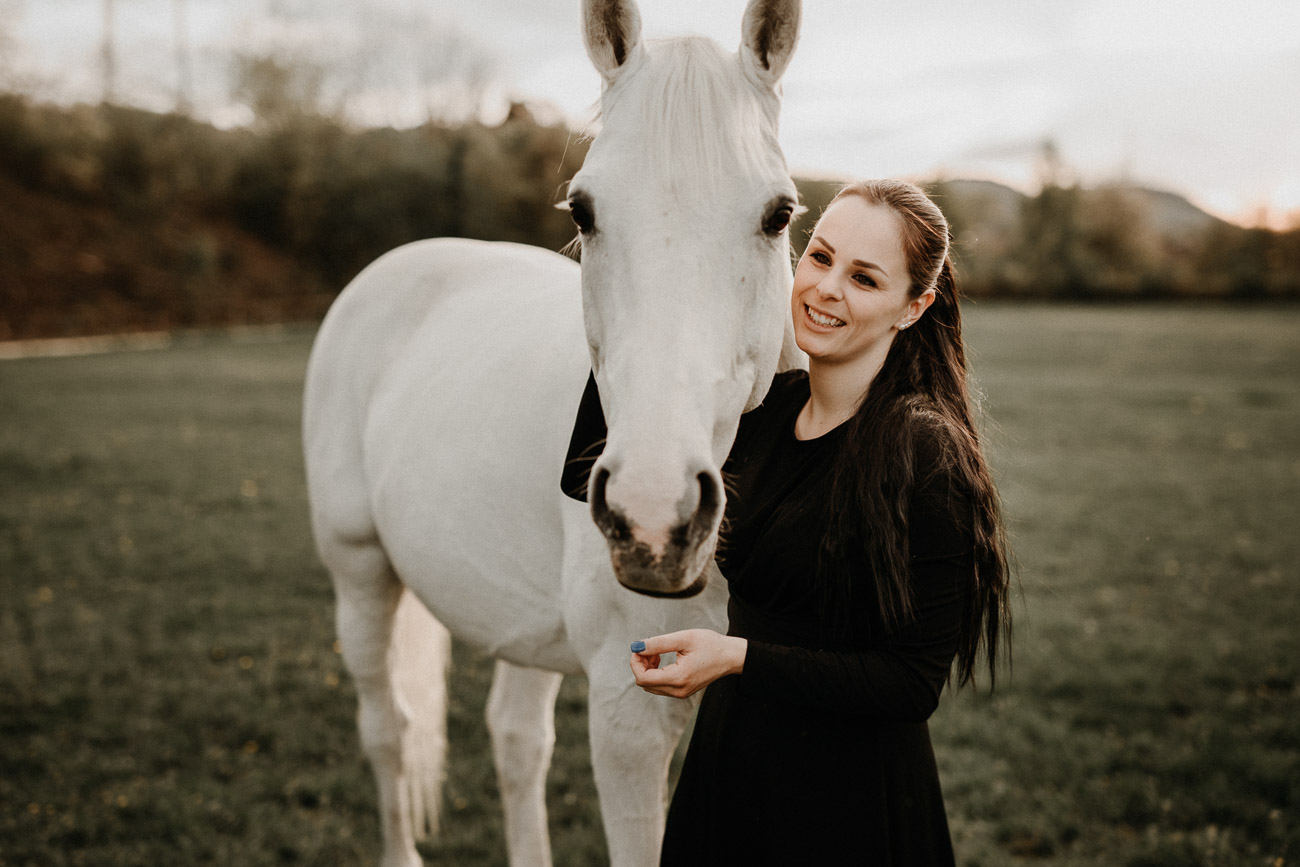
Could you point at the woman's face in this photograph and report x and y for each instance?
(851, 285)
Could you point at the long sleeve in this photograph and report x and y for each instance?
(896, 677)
(585, 443)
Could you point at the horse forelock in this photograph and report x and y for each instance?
(694, 119)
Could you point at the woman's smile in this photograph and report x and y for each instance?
(825, 320)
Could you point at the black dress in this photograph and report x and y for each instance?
(819, 753)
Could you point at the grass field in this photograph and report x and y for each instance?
(170, 692)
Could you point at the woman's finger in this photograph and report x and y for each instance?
(641, 663)
(652, 676)
(671, 642)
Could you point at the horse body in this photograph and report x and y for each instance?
(439, 399)
(434, 440)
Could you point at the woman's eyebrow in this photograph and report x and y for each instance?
(859, 262)
(872, 265)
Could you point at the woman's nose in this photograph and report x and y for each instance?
(829, 287)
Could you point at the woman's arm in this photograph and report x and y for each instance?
(586, 442)
(897, 677)
(900, 679)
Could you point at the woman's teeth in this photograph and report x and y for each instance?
(824, 321)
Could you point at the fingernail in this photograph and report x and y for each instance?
(638, 647)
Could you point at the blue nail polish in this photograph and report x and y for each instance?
(638, 647)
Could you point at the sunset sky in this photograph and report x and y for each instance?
(1197, 96)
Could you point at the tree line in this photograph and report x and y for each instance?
(329, 197)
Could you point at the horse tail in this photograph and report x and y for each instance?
(420, 657)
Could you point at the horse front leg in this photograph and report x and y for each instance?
(633, 736)
(521, 720)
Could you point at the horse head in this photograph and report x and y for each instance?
(682, 205)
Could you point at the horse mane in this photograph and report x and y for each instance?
(696, 106)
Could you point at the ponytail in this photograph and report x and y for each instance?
(933, 347)
(917, 405)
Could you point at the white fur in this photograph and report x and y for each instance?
(439, 399)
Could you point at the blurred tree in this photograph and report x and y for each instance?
(279, 90)
(403, 66)
(984, 221)
(1229, 264)
(1051, 169)
(1288, 259)
(1076, 243)
(108, 53)
(334, 198)
(372, 191)
(10, 12)
(378, 64)
(1051, 243)
(184, 66)
(1120, 251)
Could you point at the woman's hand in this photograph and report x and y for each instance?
(703, 656)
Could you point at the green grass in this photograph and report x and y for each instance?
(169, 690)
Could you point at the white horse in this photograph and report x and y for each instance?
(440, 396)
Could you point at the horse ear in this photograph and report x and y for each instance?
(612, 33)
(768, 36)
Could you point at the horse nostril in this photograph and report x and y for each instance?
(710, 496)
(701, 523)
(596, 491)
(611, 523)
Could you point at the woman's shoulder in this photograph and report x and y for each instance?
(941, 450)
(788, 389)
(937, 437)
(766, 422)
(939, 500)
(788, 386)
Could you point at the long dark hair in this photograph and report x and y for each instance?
(913, 428)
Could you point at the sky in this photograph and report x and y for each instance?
(1201, 97)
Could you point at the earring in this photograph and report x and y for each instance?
(904, 325)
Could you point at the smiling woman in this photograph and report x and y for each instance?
(864, 555)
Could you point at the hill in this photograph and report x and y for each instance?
(70, 267)
(995, 209)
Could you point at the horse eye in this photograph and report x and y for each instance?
(580, 211)
(778, 220)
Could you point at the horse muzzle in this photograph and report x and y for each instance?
(663, 561)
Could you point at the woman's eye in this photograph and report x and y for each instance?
(583, 218)
(820, 258)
